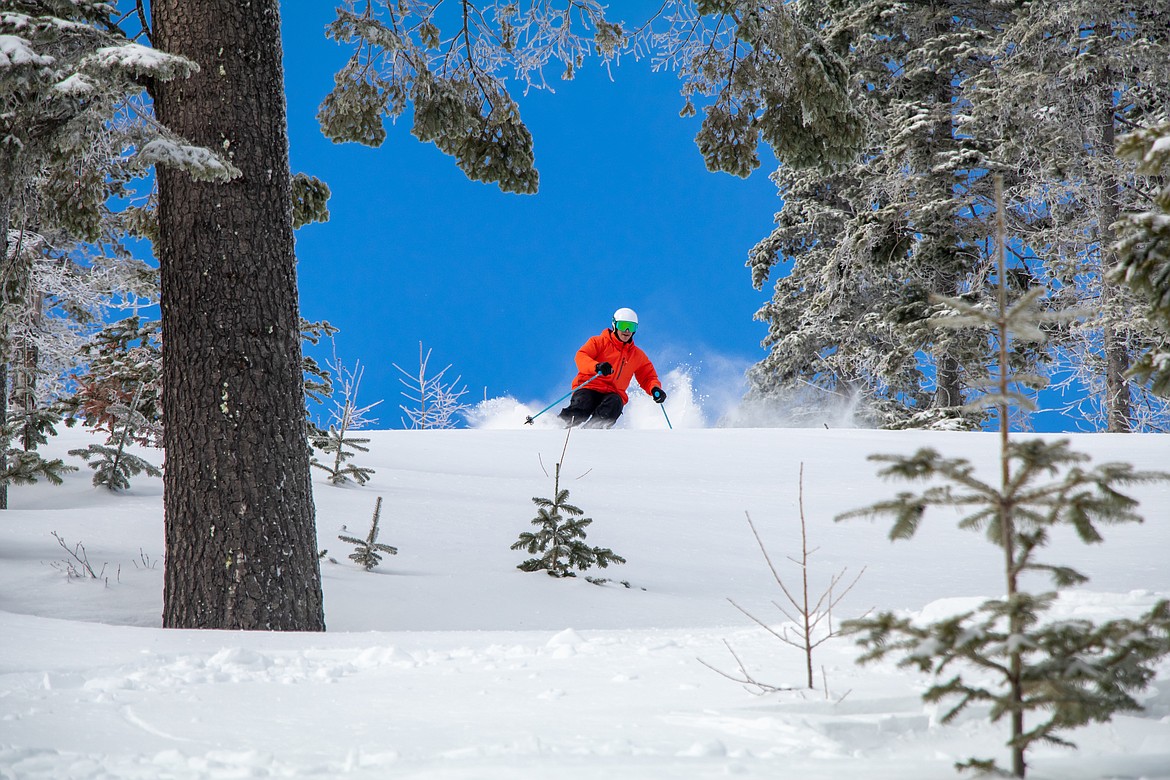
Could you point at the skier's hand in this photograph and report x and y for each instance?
(605, 369)
(658, 394)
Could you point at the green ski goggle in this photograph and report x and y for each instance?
(625, 325)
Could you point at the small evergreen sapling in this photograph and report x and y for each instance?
(434, 402)
(560, 534)
(366, 552)
(345, 418)
(123, 366)
(118, 394)
(113, 466)
(1045, 676)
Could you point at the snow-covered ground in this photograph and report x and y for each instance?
(448, 662)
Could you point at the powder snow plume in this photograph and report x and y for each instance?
(684, 406)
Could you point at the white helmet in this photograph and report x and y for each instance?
(625, 315)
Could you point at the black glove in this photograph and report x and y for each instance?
(605, 369)
(658, 394)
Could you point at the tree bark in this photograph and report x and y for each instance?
(948, 381)
(241, 547)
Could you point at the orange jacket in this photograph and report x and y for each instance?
(628, 361)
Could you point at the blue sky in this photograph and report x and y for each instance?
(506, 287)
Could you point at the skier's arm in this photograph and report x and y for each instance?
(588, 357)
(647, 377)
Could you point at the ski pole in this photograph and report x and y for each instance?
(667, 416)
(528, 420)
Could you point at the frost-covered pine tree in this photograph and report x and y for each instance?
(1035, 91)
(1069, 78)
(112, 463)
(122, 366)
(22, 467)
(434, 400)
(318, 379)
(366, 552)
(560, 534)
(27, 417)
(26, 424)
(872, 242)
(119, 395)
(1044, 676)
(448, 64)
(1143, 247)
(346, 417)
(62, 291)
(758, 71)
(832, 343)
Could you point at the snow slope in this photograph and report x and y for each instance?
(448, 662)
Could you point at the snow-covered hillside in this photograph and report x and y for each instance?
(448, 662)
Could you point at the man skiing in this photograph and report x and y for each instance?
(607, 362)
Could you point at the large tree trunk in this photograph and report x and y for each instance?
(241, 548)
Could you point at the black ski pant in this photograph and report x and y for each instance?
(592, 408)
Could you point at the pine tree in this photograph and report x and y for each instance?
(338, 443)
(834, 337)
(119, 394)
(30, 423)
(113, 466)
(765, 73)
(434, 401)
(1069, 78)
(873, 241)
(22, 467)
(345, 418)
(1143, 248)
(560, 535)
(1046, 677)
(318, 380)
(366, 555)
(119, 386)
(952, 91)
(69, 287)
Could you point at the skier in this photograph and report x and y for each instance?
(607, 363)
